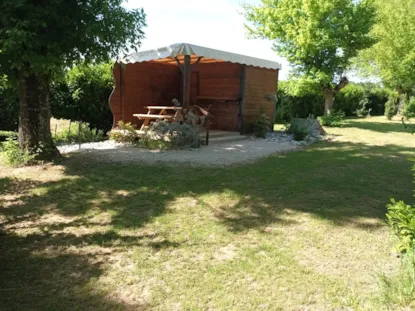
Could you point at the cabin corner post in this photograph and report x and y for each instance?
(187, 71)
(275, 105)
(242, 100)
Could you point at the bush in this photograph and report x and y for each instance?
(299, 132)
(78, 133)
(12, 154)
(409, 108)
(356, 98)
(401, 219)
(262, 125)
(335, 119)
(166, 135)
(83, 96)
(9, 106)
(125, 133)
(7, 134)
(399, 289)
(352, 99)
(391, 107)
(294, 104)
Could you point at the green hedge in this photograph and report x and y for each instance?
(9, 107)
(83, 96)
(354, 99)
(7, 134)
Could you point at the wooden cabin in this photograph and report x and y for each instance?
(232, 86)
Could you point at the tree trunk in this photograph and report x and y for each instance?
(34, 118)
(328, 101)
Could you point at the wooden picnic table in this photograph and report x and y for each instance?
(161, 115)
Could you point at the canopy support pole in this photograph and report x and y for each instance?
(187, 72)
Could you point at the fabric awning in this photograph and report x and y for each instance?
(181, 49)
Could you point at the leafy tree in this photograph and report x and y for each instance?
(392, 58)
(39, 38)
(318, 37)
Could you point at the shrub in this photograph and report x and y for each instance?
(362, 109)
(299, 132)
(391, 107)
(7, 134)
(9, 106)
(299, 99)
(335, 119)
(409, 108)
(399, 289)
(78, 133)
(262, 125)
(83, 95)
(351, 99)
(297, 103)
(125, 133)
(401, 219)
(12, 154)
(166, 135)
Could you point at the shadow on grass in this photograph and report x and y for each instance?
(342, 183)
(380, 127)
(31, 281)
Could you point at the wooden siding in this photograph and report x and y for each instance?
(259, 82)
(143, 84)
(218, 80)
(140, 85)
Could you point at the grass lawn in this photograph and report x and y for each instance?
(298, 231)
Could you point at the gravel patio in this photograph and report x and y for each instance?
(218, 154)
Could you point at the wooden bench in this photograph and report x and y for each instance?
(150, 115)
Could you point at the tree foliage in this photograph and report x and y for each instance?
(392, 58)
(40, 38)
(318, 38)
(43, 37)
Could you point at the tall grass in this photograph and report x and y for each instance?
(77, 132)
(397, 290)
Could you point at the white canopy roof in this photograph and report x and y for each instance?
(180, 49)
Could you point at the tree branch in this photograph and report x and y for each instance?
(343, 82)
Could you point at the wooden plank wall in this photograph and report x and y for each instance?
(143, 84)
(218, 80)
(259, 82)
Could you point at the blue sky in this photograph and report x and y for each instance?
(216, 24)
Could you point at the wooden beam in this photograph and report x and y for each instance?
(187, 72)
(194, 66)
(180, 65)
(198, 60)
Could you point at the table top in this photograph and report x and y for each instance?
(163, 107)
